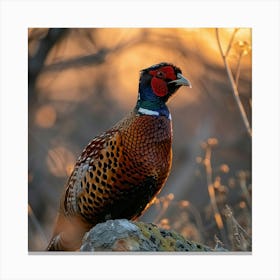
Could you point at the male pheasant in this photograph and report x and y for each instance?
(120, 171)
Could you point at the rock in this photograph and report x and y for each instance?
(125, 235)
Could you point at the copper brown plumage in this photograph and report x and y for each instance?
(120, 171)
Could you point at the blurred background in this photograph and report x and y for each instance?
(82, 81)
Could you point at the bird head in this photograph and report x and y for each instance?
(160, 82)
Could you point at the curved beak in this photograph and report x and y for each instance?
(181, 81)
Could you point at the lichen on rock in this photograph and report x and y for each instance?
(124, 235)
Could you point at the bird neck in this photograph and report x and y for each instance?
(149, 104)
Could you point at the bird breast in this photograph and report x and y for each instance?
(147, 142)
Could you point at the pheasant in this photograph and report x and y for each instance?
(120, 171)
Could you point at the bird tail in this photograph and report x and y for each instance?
(68, 234)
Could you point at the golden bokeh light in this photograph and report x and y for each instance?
(60, 161)
(45, 116)
(224, 168)
(129, 51)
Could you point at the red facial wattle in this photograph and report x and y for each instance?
(160, 78)
(159, 86)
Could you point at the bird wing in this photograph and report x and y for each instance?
(91, 173)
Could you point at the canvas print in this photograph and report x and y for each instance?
(140, 140)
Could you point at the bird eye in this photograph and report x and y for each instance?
(160, 74)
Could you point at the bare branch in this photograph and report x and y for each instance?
(211, 142)
(232, 82)
(237, 98)
(231, 41)
(82, 61)
(219, 42)
(237, 74)
(36, 62)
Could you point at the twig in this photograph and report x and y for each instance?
(207, 162)
(166, 200)
(237, 74)
(92, 59)
(242, 181)
(241, 239)
(36, 62)
(231, 41)
(198, 220)
(232, 81)
(82, 61)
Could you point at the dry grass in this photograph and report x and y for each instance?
(215, 224)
